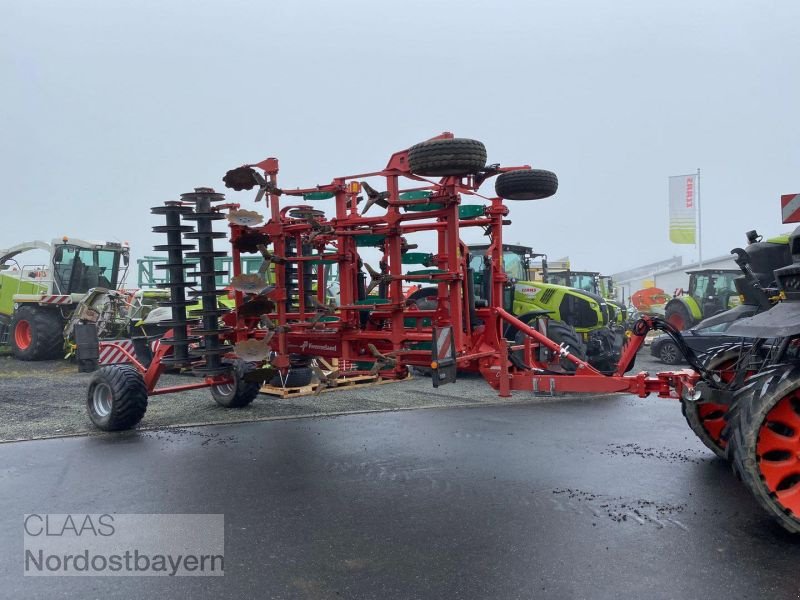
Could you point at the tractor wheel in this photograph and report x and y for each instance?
(117, 397)
(765, 444)
(447, 157)
(709, 420)
(37, 333)
(530, 184)
(424, 299)
(561, 333)
(297, 377)
(669, 353)
(239, 392)
(678, 315)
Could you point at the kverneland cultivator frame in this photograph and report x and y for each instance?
(467, 335)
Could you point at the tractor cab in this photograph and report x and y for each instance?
(80, 267)
(516, 262)
(714, 290)
(588, 281)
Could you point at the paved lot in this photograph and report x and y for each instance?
(598, 497)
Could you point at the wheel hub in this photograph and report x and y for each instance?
(102, 400)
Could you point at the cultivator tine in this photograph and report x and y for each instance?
(374, 197)
(325, 381)
(322, 310)
(377, 278)
(269, 258)
(382, 361)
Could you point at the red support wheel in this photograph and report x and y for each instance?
(766, 445)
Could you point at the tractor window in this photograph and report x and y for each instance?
(700, 288)
(584, 282)
(80, 270)
(514, 266)
(559, 279)
(476, 263)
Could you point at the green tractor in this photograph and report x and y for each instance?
(37, 301)
(578, 318)
(711, 291)
(594, 283)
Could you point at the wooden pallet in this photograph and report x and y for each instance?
(317, 388)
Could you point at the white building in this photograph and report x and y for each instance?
(669, 275)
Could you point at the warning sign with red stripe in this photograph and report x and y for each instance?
(790, 208)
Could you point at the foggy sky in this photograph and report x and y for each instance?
(108, 108)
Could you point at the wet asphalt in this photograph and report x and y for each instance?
(606, 497)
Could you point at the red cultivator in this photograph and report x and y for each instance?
(288, 313)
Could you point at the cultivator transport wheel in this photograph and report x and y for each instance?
(239, 392)
(708, 420)
(117, 397)
(765, 444)
(530, 184)
(447, 157)
(37, 333)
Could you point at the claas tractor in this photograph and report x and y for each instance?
(601, 286)
(710, 291)
(36, 301)
(434, 188)
(713, 291)
(575, 317)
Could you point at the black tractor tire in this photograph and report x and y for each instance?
(767, 432)
(707, 420)
(669, 353)
(561, 333)
(239, 392)
(677, 315)
(117, 397)
(44, 333)
(297, 377)
(447, 157)
(530, 184)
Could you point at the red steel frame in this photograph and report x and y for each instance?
(480, 347)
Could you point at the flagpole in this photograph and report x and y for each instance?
(699, 223)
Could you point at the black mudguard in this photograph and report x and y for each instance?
(782, 320)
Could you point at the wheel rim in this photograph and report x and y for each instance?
(225, 389)
(669, 353)
(102, 399)
(22, 335)
(778, 453)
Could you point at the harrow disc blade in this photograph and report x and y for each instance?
(250, 284)
(246, 218)
(253, 350)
